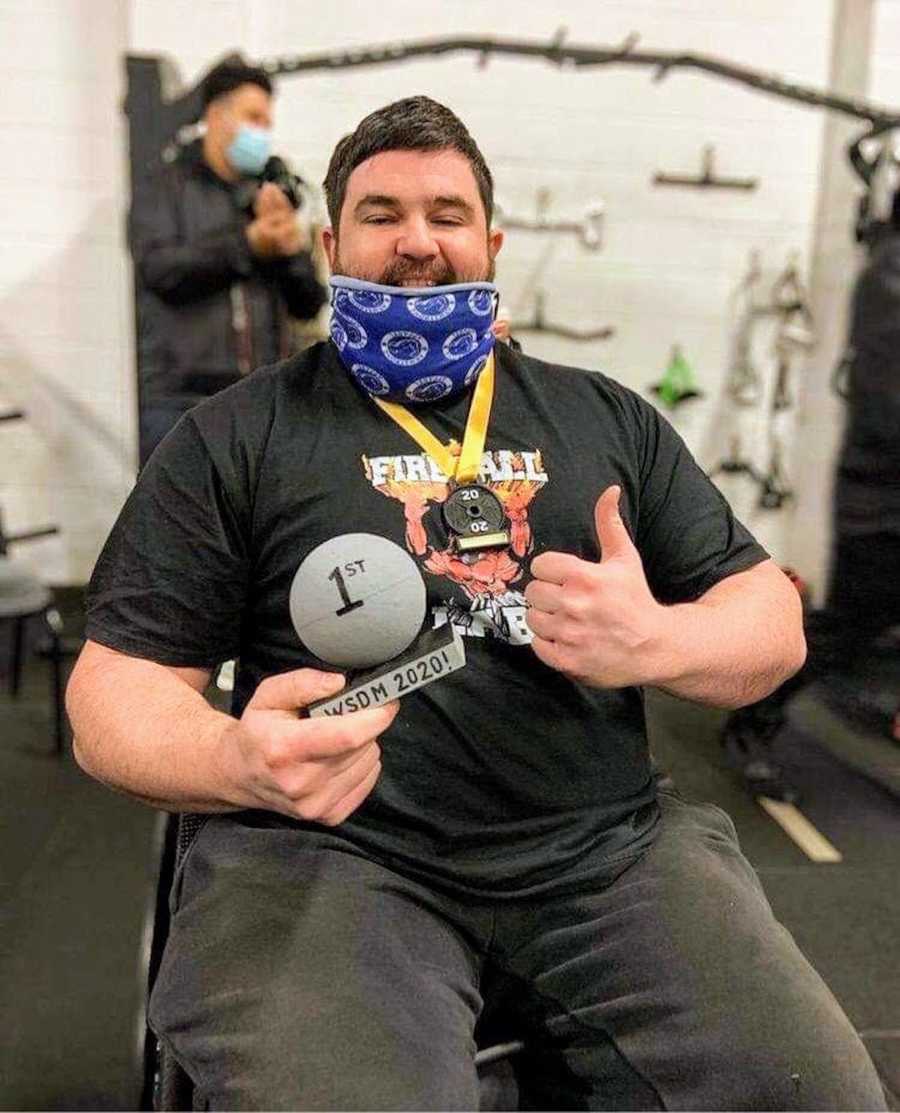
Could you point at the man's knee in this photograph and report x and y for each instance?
(799, 1060)
(354, 1076)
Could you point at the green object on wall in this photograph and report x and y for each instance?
(678, 383)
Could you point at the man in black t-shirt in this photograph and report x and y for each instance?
(493, 849)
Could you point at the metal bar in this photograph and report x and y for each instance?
(579, 57)
(31, 534)
(704, 182)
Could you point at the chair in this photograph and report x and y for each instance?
(24, 598)
(166, 1086)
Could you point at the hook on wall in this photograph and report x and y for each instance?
(707, 179)
(537, 323)
(589, 229)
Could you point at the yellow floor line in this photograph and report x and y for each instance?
(795, 824)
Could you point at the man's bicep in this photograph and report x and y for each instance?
(766, 607)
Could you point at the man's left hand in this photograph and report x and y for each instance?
(597, 622)
(288, 235)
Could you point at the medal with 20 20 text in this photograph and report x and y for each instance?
(472, 513)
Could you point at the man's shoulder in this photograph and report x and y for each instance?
(234, 428)
(574, 385)
(173, 173)
(260, 392)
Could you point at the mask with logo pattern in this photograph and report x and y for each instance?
(412, 345)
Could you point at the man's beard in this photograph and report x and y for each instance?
(406, 272)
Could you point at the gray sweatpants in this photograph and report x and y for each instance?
(300, 975)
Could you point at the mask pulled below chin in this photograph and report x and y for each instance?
(413, 345)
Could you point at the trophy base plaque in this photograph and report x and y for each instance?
(432, 656)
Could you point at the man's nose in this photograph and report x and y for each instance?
(416, 240)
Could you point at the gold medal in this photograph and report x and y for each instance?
(473, 514)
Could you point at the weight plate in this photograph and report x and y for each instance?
(473, 509)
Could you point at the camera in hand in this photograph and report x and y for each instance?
(277, 171)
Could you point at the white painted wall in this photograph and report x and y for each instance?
(671, 260)
(836, 261)
(65, 304)
(884, 78)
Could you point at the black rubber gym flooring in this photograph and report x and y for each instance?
(77, 872)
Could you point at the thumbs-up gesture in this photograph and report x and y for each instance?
(598, 623)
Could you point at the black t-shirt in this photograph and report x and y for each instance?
(505, 777)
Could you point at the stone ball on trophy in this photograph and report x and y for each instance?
(357, 600)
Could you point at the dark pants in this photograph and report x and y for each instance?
(300, 975)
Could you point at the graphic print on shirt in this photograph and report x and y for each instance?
(492, 606)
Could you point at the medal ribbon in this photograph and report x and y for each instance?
(466, 467)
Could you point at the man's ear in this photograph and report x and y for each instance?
(220, 110)
(329, 242)
(495, 241)
(212, 117)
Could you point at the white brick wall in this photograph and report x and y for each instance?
(65, 313)
(671, 257)
(884, 83)
(670, 262)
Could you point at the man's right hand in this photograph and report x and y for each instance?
(274, 232)
(313, 769)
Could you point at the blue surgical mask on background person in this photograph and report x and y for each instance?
(412, 345)
(250, 149)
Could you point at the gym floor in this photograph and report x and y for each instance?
(77, 867)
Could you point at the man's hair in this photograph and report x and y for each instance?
(230, 75)
(412, 124)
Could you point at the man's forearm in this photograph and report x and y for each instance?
(149, 734)
(181, 273)
(729, 649)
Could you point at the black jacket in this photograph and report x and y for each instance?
(208, 310)
(867, 490)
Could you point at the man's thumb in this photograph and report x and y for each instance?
(611, 532)
(289, 691)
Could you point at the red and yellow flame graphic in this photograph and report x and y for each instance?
(480, 575)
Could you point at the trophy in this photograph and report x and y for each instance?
(358, 602)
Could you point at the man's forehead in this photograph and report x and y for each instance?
(250, 95)
(420, 175)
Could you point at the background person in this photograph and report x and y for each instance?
(863, 596)
(219, 267)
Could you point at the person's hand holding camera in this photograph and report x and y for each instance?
(275, 231)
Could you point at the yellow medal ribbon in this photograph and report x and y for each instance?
(464, 469)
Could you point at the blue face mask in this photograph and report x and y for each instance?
(413, 344)
(249, 151)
